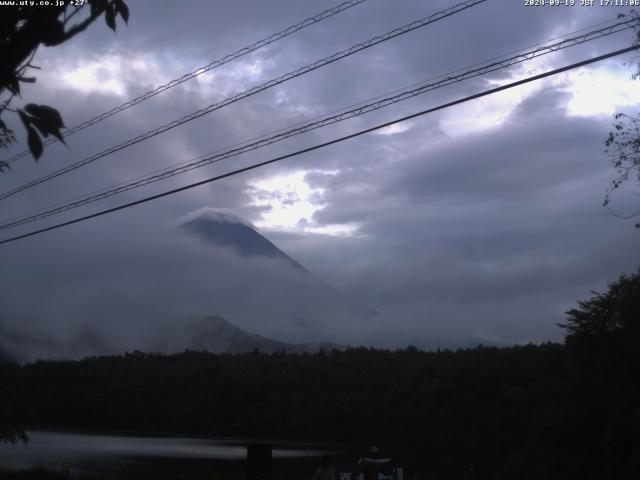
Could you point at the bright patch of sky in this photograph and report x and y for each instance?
(104, 76)
(601, 91)
(491, 111)
(593, 91)
(114, 72)
(232, 77)
(292, 203)
(395, 128)
(484, 113)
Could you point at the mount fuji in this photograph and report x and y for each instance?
(305, 304)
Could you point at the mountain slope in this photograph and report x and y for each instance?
(217, 335)
(279, 298)
(225, 229)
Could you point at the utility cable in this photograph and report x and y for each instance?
(326, 120)
(326, 144)
(252, 91)
(199, 71)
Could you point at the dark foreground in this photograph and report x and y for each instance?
(566, 411)
(109, 456)
(32, 474)
(173, 469)
(505, 411)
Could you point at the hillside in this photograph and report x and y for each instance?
(216, 335)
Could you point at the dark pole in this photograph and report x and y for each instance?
(259, 462)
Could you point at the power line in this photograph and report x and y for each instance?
(313, 125)
(326, 144)
(257, 89)
(199, 71)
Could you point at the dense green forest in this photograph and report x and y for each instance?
(566, 411)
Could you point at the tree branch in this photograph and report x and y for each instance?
(80, 27)
(623, 217)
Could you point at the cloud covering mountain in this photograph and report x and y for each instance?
(217, 335)
(236, 273)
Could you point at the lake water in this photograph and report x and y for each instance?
(111, 456)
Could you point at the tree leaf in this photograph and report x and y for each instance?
(110, 17)
(13, 85)
(34, 142)
(123, 10)
(24, 118)
(52, 33)
(50, 115)
(41, 126)
(46, 119)
(58, 135)
(97, 6)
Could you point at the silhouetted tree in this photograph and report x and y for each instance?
(623, 145)
(12, 414)
(608, 324)
(23, 29)
(603, 414)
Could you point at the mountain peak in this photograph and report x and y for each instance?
(220, 215)
(225, 228)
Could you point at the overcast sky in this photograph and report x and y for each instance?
(479, 222)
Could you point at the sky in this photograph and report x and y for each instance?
(478, 223)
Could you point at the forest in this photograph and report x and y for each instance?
(566, 411)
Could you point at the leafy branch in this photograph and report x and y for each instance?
(23, 29)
